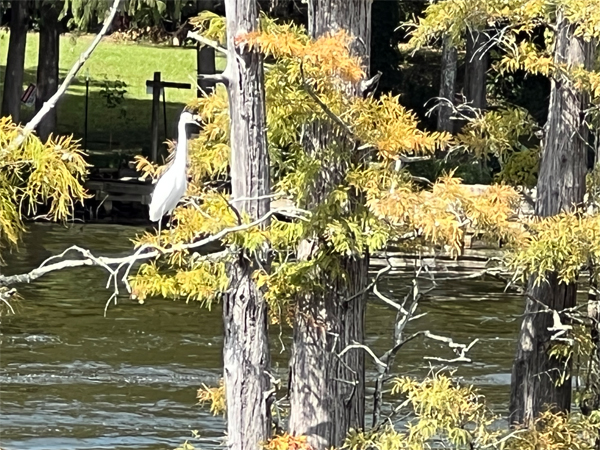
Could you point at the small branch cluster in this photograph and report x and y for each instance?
(116, 266)
(406, 312)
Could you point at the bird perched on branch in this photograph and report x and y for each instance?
(172, 185)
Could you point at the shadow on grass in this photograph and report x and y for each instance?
(126, 126)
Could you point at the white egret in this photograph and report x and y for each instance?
(172, 185)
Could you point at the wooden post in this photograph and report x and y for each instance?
(205, 59)
(156, 87)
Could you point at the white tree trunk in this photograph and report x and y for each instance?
(246, 348)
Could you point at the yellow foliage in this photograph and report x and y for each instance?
(329, 54)
(443, 414)
(562, 244)
(517, 18)
(381, 129)
(34, 173)
(386, 125)
(441, 215)
(202, 281)
(215, 396)
(287, 442)
(442, 407)
(557, 431)
(497, 132)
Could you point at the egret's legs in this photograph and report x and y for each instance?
(159, 224)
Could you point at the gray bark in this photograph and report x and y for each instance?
(476, 66)
(15, 61)
(327, 394)
(246, 348)
(561, 187)
(47, 71)
(447, 86)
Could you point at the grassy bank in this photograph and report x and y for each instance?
(126, 126)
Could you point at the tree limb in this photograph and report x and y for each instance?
(208, 42)
(333, 116)
(215, 78)
(145, 252)
(51, 103)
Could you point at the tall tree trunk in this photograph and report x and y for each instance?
(476, 66)
(561, 186)
(47, 71)
(327, 395)
(15, 61)
(246, 347)
(447, 86)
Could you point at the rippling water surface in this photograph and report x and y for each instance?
(71, 378)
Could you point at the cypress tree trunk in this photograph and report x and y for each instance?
(476, 66)
(47, 71)
(327, 394)
(447, 86)
(561, 186)
(15, 61)
(246, 347)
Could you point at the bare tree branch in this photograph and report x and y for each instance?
(5, 296)
(208, 42)
(406, 312)
(51, 103)
(145, 252)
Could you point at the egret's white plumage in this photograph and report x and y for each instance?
(173, 183)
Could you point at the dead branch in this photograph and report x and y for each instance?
(208, 42)
(51, 103)
(406, 312)
(145, 252)
(5, 296)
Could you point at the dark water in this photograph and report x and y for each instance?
(71, 378)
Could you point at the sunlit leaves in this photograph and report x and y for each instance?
(37, 173)
(445, 409)
(557, 431)
(386, 125)
(287, 441)
(358, 161)
(562, 244)
(215, 396)
(203, 281)
(498, 132)
(508, 22)
(383, 438)
(442, 215)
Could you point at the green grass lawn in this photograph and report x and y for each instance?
(128, 62)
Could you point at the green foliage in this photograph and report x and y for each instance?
(498, 133)
(113, 93)
(443, 413)
(562, 244)
(202, 281)
(521, 168)
(505, 134)
(557, 431)
(366, 205)
(36, 173)
(86, 13)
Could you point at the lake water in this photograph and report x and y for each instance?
(71, 378)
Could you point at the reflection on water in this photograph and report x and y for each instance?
(71, 378)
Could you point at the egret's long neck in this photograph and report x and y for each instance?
(181, 150)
